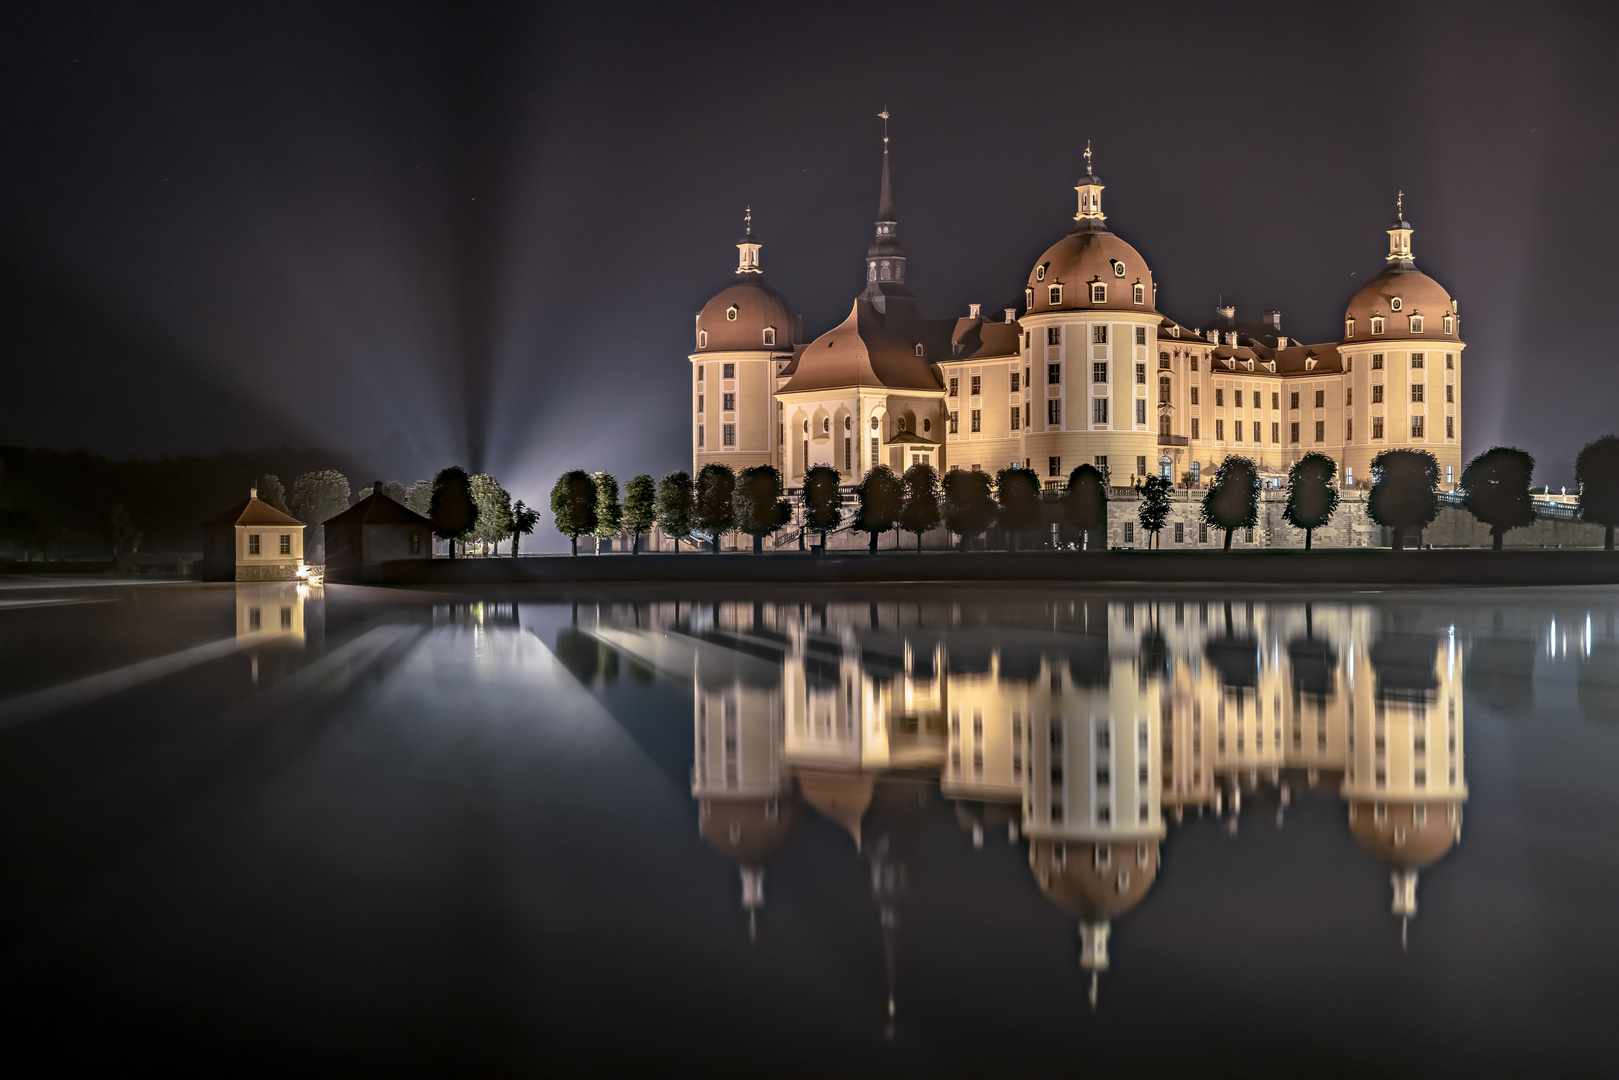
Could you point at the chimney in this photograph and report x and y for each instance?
(1273, 319)
(252, 493)
(376, 487)
(1011, 314)
(975, 311)
(1281, 342)
(1213, 336)
(1231, 337)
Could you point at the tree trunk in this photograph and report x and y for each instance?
(873, 547)
(574, 540)
(758, 544)
(1309, 535)
(1607, 543)
(716, 544)
(919, 543)
(1496, 536)
(1399, 538)
(823, 541)
(1228, 534)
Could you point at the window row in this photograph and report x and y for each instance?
(284, 546)
(727, 435)
(727, 371)
(1415, 323)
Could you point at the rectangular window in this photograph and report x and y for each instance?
(977, 422)
(1377, 427)
(1141, 465)
(1219, 395)
(415, 542)
(729, 371)
(1219, 431)
(252, 543)
(1194, 427)
(1276, 433)
(728, 403)
(1141, 410)
(1377, 361)
(729, 432)
(1015, 412)
(1256, 399)
(699, 402)
(1141, 374)
(1194, 363)
(1275, 400)
(1450, 427)
(1416, 427)
(1129, 538)
(1450, 393)
(1416, 359)
(977, 385)
(1053, 374)
(1349, 396)
(1054, 466)
(1055, 294)
(954, 383)
(286, 543)
(1025, 415)
(1180, 532)
(1321, 399)
(699, 372)
(699, 436)
(1320, 431)
(1014, 380)
(1053, 413)
(1099, 373)
(1098, 294)
(1099, 410)
(1202, 532)
(1141, 335)
(1349, 430)
(1099, 335)
(1416, 391)
(1236, 430)
(1053, 335)
(848, 455)
(1450, 361)
(1163, 361)
(1293, 431)
(1194, 395)
(1293, 400)
(955, 424)
(876, 451)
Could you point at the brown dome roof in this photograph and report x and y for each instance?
(738, 316)
(1085, 256)
(1076, 884)
(841, 797)
(1397, 839)
(1417, 293)
(863, 351)
(747, 830)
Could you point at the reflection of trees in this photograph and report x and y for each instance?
(1315, 665)
(585, 658)
(1404, 666)
(1088, 662)
(1155, 658)
(1235, 659)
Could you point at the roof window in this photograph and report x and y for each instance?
(702, 339)
(770, 335)
(1056, 294)
(1118, 268)
(1416, 324)
(1040, 272)
(1098, 293)
(1139, 293)
(1396, 304)
(919, 348)
(730, 313)
(1377, 325)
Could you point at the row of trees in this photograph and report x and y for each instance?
(1404, 497)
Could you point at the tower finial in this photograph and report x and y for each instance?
(884, 115)
(1399, 205)
(747, 220)
(1088, 169)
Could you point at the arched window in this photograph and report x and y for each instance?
(702, 339)
(1349, 328)
(885, 272)
(770, 335)
(1140, 294)
(848, 423)
(919, 349)
(1449, 325)
(1196, 470)
(900, 423)
(871, 271)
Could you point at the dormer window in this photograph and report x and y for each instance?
(1309, 363)
(919, 349)
(1098, 293)
(1040, 272)
(1028, 296)
(1349, 329)
(730, 313)
(1056, 294)
(702, 339)
(1118, 268)
(1139, 293)
(1175, 331)
(1416, 324)
(1377, 325)
(770, 335)
(1396, 304)
(1450, 326)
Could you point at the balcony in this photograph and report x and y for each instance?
(1174, 440)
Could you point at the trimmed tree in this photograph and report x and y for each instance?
(640, 509)
(1405, 492)
(1232, 501)
(715, 517)
(1084, 504)
(1495, 489)
(609, 515)
(316, 498)
(494, 511)
(969, 508)
(419, 497)
(677, 507)
(919, 512)
(757, 504)
(1596, 471)
(882, 496)
(272, 492)
(822, 499)
(1017, 498)
(1312, 494)
(1153, 512)
(524, 520)
(573, 506)
(452, 510)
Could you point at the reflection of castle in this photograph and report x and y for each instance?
(1078, 726)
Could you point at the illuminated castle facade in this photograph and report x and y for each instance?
(1093, 371)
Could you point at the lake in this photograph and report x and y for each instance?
(894, 830)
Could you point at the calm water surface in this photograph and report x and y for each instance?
(260, 829)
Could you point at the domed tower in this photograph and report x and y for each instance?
(1402, 355)
(1090, 328)
(745, 335)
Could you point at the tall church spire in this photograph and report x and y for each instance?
(1089, 217)
(885, 258)
(1400, 237)
(747, 248)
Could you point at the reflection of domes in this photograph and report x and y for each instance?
(1398, 839)
(1070, 876)
(1085, 257)
(747, 830)
(1417, 293)
(841, 797)
(738, 316)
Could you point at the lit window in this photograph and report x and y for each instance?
(1377, 325)
(1139, 294)
(1416, 324)
(1055, 294)
(286, 543)
(770, 335)
(730, 313)
(1098, 294)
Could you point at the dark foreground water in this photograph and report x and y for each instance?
(262, 830)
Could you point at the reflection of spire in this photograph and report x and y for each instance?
(753, 897)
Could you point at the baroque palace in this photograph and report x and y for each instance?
(1092, 371)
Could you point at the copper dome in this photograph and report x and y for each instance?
(738, 316)
(1069, 875)
(1396, 295)
(1085, 257)
(748, 830)
(1400, 840)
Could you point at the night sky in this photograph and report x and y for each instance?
(477, 233)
